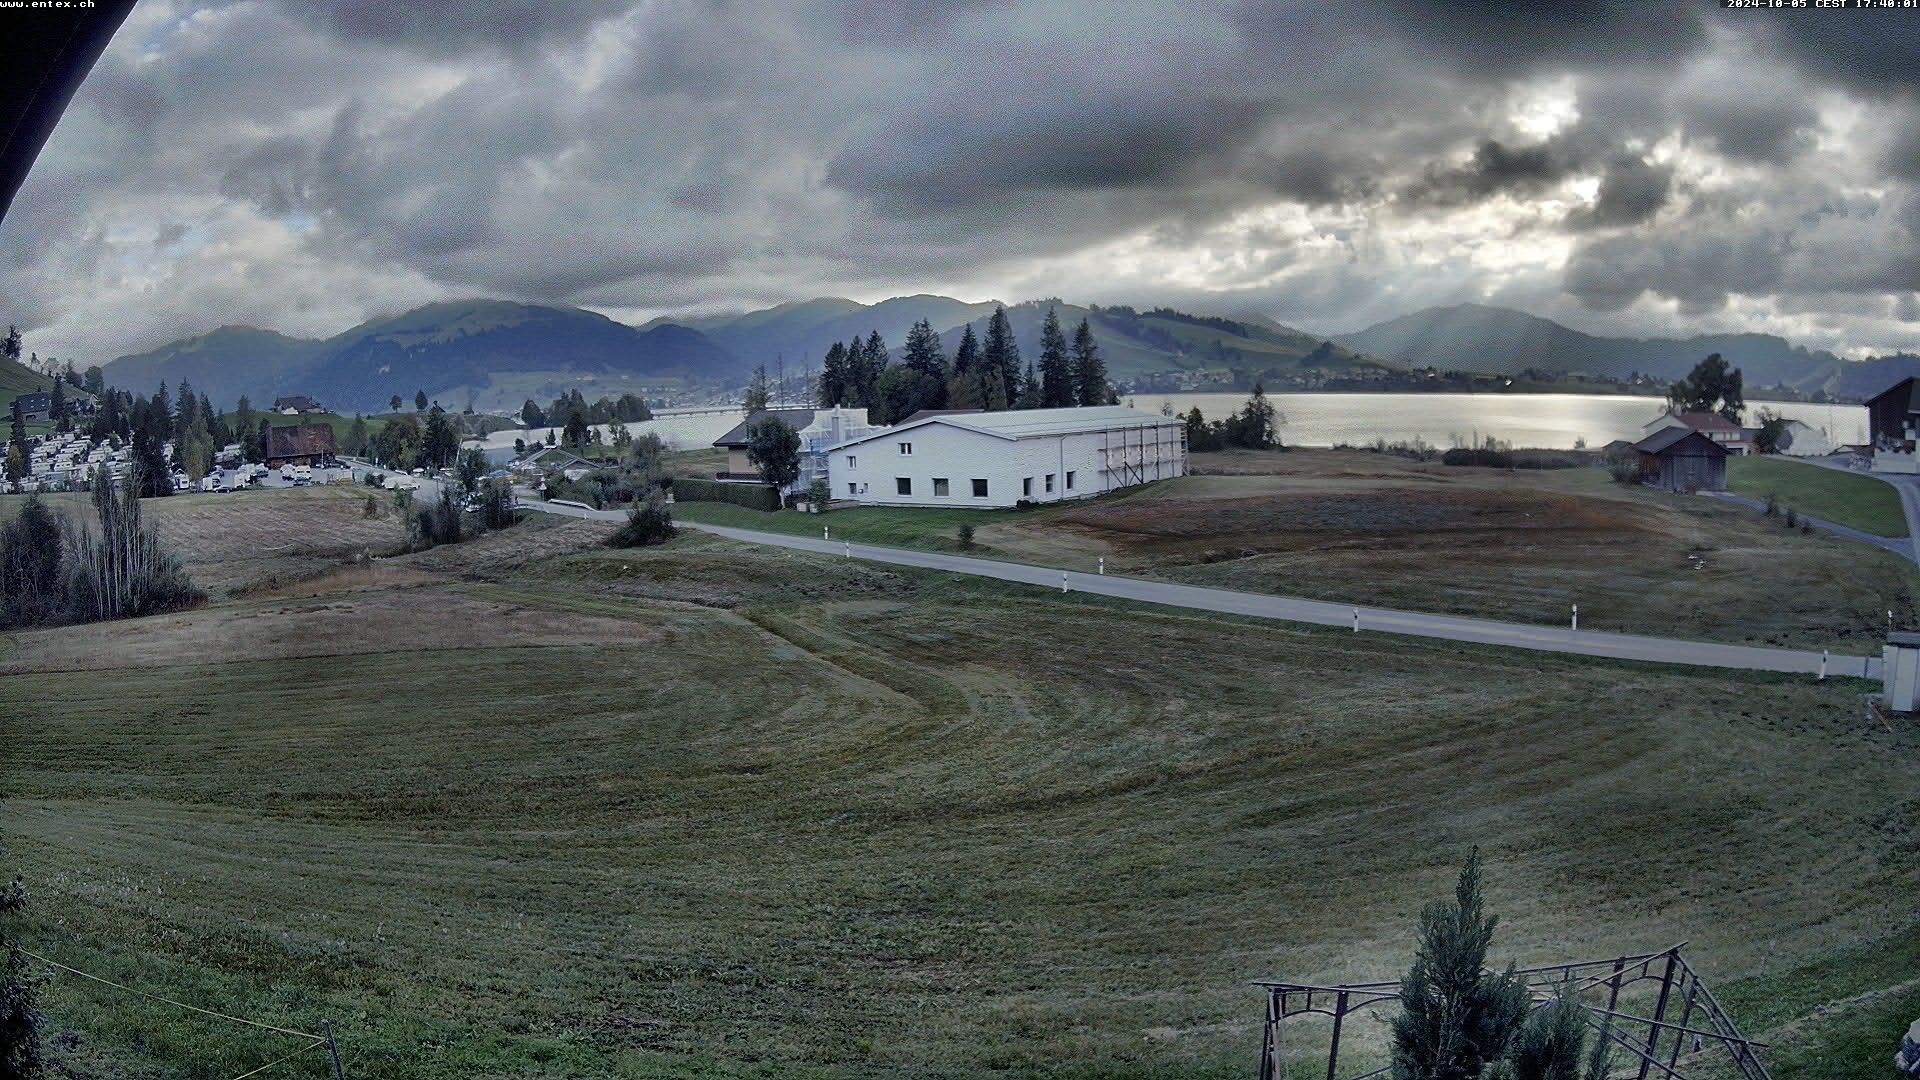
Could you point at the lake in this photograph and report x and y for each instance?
(1546, 421)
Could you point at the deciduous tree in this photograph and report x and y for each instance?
(773, 448)
(1711, 387)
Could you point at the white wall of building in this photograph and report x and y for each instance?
(1080, 465)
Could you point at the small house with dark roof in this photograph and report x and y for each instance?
(1711, 424)
(35, 408)
(818, 430)
(296, 405)
(1683, 460)
(1893, 423)
(299, 444)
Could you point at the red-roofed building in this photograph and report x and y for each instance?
(1728, 434)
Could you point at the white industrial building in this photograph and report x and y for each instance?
(1002, 459)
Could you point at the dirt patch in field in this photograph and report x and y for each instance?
(396, 619)
(232, 542)
(1270, 522)
(497, 555)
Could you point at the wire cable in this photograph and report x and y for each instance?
(170, 1001)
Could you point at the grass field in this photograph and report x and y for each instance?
(530, 807)
(1863, 502)
(1368, 528)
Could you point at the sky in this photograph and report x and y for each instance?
(1637, 168)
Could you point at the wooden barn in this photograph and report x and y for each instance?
(1682, 459)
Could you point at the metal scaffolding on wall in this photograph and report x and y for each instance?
(1657, 1052)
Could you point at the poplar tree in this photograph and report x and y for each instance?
(1456, 1016)
(1057, 389)
(759, 391)
(1089, 371)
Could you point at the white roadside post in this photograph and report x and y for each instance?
(1356, 620)
(1576, 616)
(1823, 665)
(825, 533)
(1103, 566)
(849, 544)
(1063, 581)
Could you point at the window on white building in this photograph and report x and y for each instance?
(852, 462)
(1026, 487)
(940, 487)
(979, 488)
(1049, 483)
(906, 449)
(903, 485)
(1069, 481)
(853, 489)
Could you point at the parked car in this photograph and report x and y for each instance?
(303, 474)
(286, 473)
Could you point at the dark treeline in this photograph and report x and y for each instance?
(1255, 427)
(565, 409)
(981, 374)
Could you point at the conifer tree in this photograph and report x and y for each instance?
(965, 386)
(1089, 371)
(1057, 388)
(1456, 1016)
(1032, 396)
(1002, 354)
(834, 376)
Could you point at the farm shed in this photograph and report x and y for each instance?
(299, 444)
(1682, 459)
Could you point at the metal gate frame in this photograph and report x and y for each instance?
(1655, 1053)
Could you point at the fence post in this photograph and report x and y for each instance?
(332, 1050)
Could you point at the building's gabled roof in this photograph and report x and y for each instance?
(1704, 421)
(1908, 390)
(299, 401)
(1014, 424)
(924, 413)
(1668, 437)
(736, 438)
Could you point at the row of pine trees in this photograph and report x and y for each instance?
(981, 374)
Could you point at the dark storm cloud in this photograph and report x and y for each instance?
(1330, 163)
(1631, 191)
(1495, 168)
(940, 162)
(1501, 38)
(450, 27)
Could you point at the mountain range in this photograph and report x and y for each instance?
(492, 354)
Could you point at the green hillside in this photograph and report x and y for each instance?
(17, 378)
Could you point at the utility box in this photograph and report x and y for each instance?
(1900, 671)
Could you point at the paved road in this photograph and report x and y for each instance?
(1387, 620)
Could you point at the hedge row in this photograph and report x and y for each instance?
(751, 496)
